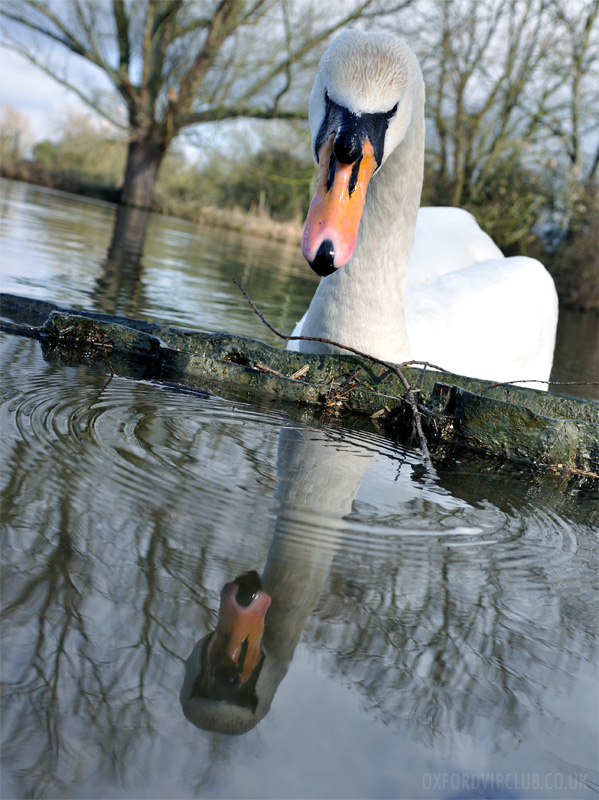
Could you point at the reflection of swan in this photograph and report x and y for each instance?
(228, 685)
(466, 307)
(443, 634)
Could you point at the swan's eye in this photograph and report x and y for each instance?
(393, 112)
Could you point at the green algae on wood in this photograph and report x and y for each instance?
(526, 426)
(516, 432)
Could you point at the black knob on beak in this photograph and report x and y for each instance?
(324, 258)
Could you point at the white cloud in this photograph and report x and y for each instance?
(35, 94)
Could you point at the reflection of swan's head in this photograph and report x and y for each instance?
(366, 91)
(220, 691)
(232, 675)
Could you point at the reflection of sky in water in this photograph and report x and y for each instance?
(451, 650)
(126, 507)
(48, 252)
(374, 759)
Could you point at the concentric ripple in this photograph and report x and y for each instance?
(132, 453)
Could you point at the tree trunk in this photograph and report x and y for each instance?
(143, 162)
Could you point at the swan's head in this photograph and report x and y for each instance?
(222, 690)
(365, 93)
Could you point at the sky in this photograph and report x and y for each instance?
(34, 94)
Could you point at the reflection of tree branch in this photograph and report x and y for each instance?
(448, 654)
(51, 648)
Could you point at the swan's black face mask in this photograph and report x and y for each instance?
(351, 130)
(349, 149)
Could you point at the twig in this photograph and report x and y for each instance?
(295, 377)
(105, 349)
(396, 368)
(411, 363)
(264, 368)
(299, 373)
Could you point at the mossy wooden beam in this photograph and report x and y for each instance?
(526, 426)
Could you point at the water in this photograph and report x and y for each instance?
(54, 247)
(426, 638)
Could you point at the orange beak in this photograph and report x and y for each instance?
(235, 649)
(329, 237)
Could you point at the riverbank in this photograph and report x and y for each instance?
(256, 223)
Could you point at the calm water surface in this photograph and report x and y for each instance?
(426, 638)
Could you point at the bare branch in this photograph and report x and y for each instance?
(219, 114)
(224, 21)
(288, 50)
(122, 27)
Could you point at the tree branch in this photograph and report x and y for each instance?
(309, 45)
(225, 20)
(235, 112)
(122, 29)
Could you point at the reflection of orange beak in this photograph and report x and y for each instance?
(234, 650)
(335, 212)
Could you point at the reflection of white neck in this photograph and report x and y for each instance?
(362, 304)
(318, 478)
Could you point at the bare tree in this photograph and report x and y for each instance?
(509, 90)
(178, 63)
(15, 135)
(577, 63)
(484, 104)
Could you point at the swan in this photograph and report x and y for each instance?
(399, 282)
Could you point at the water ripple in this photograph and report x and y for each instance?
(136, 449)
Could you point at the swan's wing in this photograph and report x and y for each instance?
(494, 320)
(446, 240)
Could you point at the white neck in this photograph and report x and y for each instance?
(362, 304)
